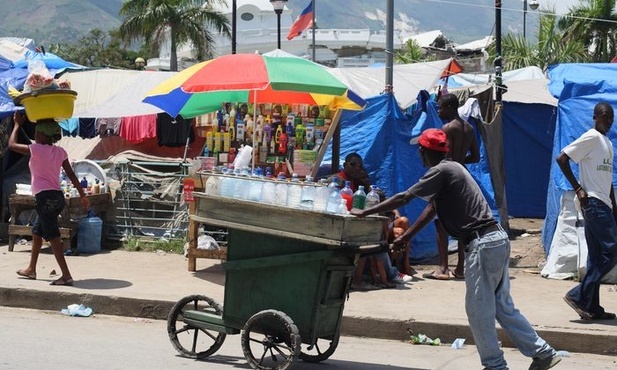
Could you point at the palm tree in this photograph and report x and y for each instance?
(595, 24)
(410, 53)
(551, 47)
(185, 20)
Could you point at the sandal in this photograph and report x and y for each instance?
(29, 275)
(62, 281)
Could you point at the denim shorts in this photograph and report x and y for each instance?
(49, 205)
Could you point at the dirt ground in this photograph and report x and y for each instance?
(526, 244)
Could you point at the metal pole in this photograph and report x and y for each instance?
(234, 11)
(278, 27)
(389, 46)
(498, 59)
(525, 19)
(314, 27)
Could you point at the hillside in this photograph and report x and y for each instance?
(64, 21)
(57, 21)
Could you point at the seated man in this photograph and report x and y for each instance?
(354, 172)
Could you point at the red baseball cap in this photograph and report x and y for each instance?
(432, 139)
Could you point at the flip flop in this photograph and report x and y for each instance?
(62, 281)
(433, 276)
(22, 273)
(457, 276)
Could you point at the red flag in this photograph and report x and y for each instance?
(304, 21)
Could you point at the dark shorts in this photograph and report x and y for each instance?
(49, 204)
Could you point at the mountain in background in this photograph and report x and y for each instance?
(65, 21)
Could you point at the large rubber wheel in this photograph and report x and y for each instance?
(190, 341)
(270, 340)
(320, 351)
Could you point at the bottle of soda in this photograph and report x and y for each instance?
(347, 194)
(359, 198)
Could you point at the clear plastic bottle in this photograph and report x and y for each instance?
(359, 198)
(268, 194)
(347, 194)
(342, 208)
(255, 186)
(294, 192)
(280, 191)
(322, 193)
(227, 184)
(309, 192)
(372, 198)
(213, 184)
(243, 184)
(334, 199)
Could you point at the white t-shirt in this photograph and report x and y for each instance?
(594, 154)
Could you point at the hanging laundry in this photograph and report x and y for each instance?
(173, 132)
(70, 127)
(107, 126)
(138, 128)
(86, 128)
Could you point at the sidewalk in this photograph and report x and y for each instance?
(144, 284)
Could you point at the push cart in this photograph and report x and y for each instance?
(287, 277)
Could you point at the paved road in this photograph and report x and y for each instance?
(36, 339)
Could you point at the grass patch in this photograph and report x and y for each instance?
(143, 244)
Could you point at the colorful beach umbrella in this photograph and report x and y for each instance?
(252, 78)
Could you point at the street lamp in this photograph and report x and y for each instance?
(533, 4)
(278, 6)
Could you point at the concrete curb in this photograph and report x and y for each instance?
(584, 341)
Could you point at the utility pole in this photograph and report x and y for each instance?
(234, 11)
(389, 47)
(498, 58)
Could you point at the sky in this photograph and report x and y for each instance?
(561, 6)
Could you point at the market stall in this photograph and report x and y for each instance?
(277, 116)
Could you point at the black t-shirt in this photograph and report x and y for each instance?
(457, 198)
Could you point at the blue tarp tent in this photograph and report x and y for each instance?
(380, 134)
(528, 145)
(15, 75)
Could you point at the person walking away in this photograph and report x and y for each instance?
(593, 152)
(463, 148)
(456, 198)
(46, 160)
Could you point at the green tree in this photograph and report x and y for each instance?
(410, 53)
(98, 49)
(594, 24)
(182, 21)
(551, 47)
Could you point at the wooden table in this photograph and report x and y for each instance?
(19, 203)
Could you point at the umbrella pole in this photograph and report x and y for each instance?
(186, 146)
(255, 145)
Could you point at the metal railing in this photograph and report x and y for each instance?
(149, 202)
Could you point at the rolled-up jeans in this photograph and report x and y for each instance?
(488, 299)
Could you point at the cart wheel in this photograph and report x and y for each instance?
(187, 339)
(270, 340)
(321, 350)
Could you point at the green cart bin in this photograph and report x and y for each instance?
(287, 277)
